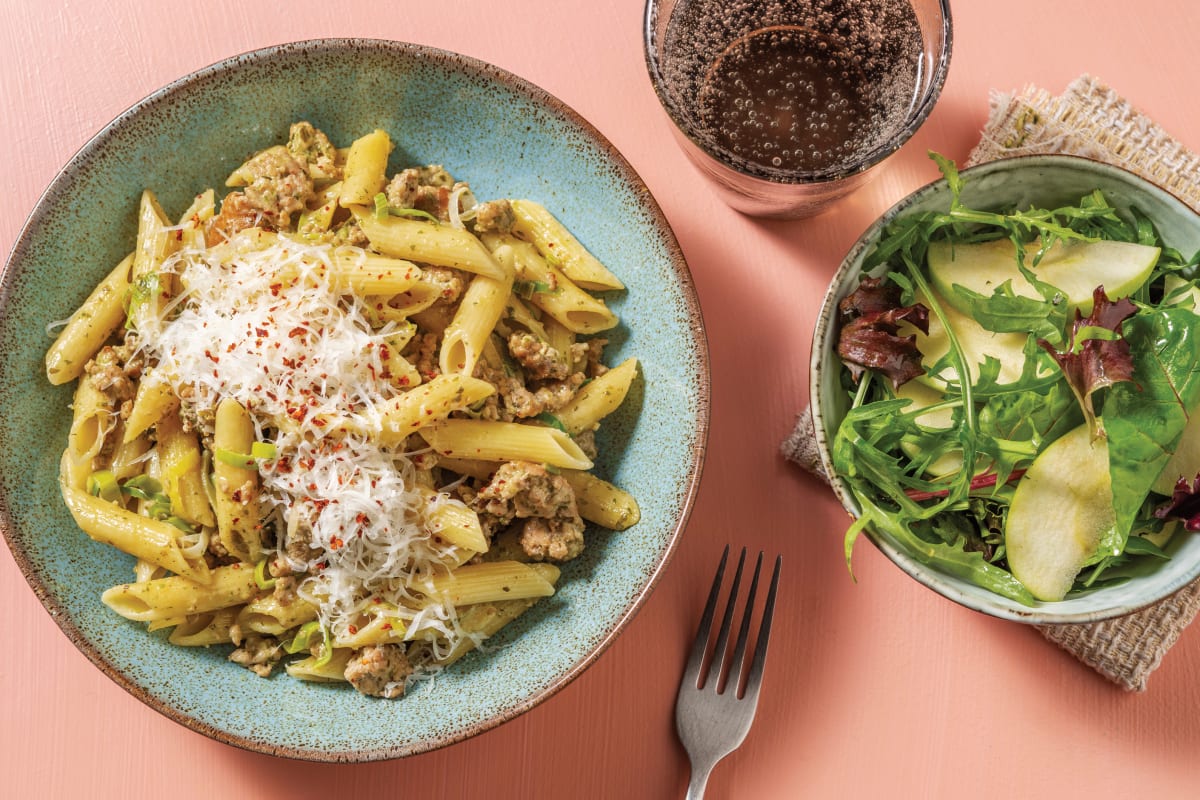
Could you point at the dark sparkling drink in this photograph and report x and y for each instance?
(808, 87)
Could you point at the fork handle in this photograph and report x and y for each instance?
(698, 782)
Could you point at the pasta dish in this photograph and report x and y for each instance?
(342, 421)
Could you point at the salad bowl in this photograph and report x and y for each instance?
(509, 138)
(1048, 182)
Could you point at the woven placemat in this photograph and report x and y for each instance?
(1088, 119)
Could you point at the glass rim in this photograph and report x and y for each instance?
(732, 161)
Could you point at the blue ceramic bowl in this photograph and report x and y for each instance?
(1047, 182)
(509, 139)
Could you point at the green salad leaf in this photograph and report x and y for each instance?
(1144, 419)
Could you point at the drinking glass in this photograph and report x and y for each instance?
(788, 105)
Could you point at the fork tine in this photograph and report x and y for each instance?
(712, 724)
(719, 650)
(754, 680)
(737, 667)
(704, 630)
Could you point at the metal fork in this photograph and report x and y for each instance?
(713, 720)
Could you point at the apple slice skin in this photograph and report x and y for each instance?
(922, 396)
(975, 340)
(1060, 511)
(1076, 268)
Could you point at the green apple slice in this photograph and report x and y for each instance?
(976, 342)
(923, 396)
(1060, 511)
(1076, 268)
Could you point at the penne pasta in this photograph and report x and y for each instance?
(556, 244)
(154, 400)
(559, 336)
(429, 404)
(141, 537)
(192, 221)
(180, 461)
(480, 309)
(481, 470)
(92, 420)
(520, 313)
(366, 167)
(599, 398)
(203, 630)
(359, 273)
(268, 615)
(86, 331)
(486, 619)
(128, 458)
(456, 524)
(601, 502)
(150, 289)
(236, 486)
(245, 174)
(376, 628)
(179, 596)
(429, 243)
(488, 582)
(315, 221)
(551, 290)
(333, 671)
(167, 622)
(145, 571)
(505, 441)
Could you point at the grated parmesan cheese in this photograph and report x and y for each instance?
(258, 320)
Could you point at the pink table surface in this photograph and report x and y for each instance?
(874, 689)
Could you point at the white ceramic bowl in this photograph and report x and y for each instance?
(1047, 182)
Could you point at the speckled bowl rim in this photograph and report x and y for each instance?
(933, 579)
(624, 170)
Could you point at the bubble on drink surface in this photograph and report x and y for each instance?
(804, 86)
